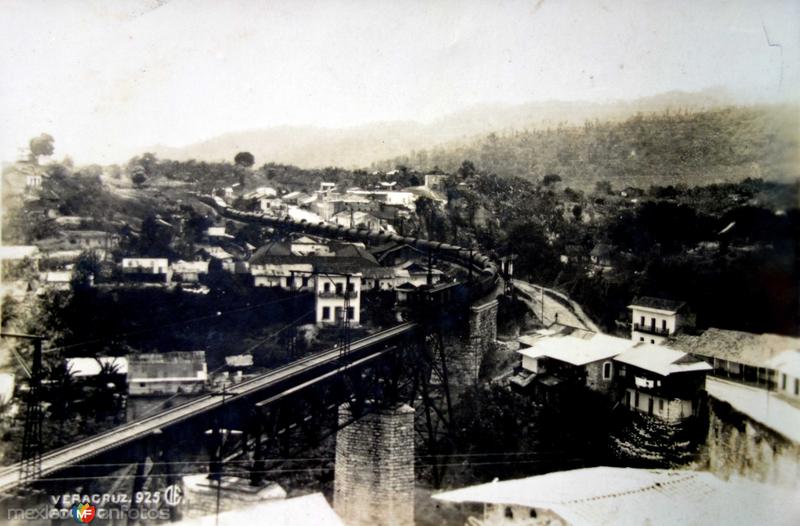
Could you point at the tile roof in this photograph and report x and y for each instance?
(657, 303)
(628, 496)
(737, 346)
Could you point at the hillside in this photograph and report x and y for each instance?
(704, 147)
(359, 146)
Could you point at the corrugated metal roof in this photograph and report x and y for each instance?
(660, 360)
(576, 349)
(627, 496)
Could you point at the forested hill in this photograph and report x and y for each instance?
(720, 145)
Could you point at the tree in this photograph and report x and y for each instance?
(41, 145)
(551, 179)
(86, 270)
(138, 177)
(603, 188)
(244, 159)
(467, 169)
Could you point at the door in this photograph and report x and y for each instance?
(650, 406)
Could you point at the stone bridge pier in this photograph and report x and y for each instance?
(466, 352)
(374, 472)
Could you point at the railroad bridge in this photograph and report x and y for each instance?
(380, 395)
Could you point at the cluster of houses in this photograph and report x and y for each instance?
(378, 208)
(660, 370)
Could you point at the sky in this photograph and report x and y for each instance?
(107, 79)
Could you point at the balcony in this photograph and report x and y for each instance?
(651, 329)
(352, 294)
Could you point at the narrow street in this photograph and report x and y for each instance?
(555, 306)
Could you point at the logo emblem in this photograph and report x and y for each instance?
(173, 495)
(83, 513)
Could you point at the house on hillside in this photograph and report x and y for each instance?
(377, 278)
(337, 298)
(418, 274)
(146, 269)
(167, 373)
(654, 320)
(305, 245)
(91, 239)
(565, 358)
(354, 219)
(189, 271)
(660, 381)
(624, 496)
(743, 357)
(787, 366)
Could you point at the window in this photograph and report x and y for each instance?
(350, 313)
(641, 321)
(326, 287)
(641, 338)
(326, 313)
(652, 323)
(351, 287)
(663, 325)
(533, 513)
(628, 398)
(305, 281)
(607, 370)
(141, 384)
(652, 341)
(289, 281)
(636, 399)
(509, 513)
(660, 404)
(797, 386)
(783, 382)
(339, 288)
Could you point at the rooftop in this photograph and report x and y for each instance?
(577, 348)
(650, 302)
(11, 252)
(743, 347)
(661, 360)
(627, 496)
(307, 510)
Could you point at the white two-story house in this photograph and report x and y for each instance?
(653, 320)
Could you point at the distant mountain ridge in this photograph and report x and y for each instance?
(718, 145)
(361, 146)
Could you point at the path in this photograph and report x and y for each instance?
(555, 306)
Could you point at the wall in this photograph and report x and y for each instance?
(670, 410)
(737, 445)
(594, 376)
(788, 385)
(332, 300)
(519, 515)
(374, 471)
(673, 324)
